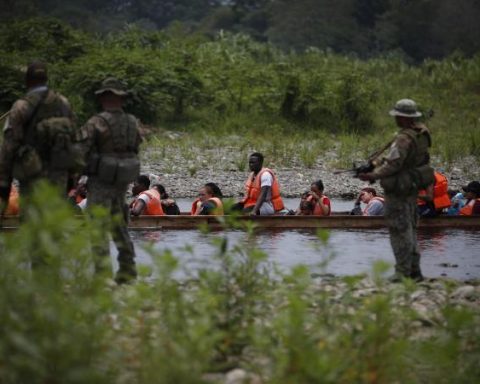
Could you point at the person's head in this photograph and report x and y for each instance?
(472, 190)
(36, 74)
(141, 184)
(213, 190)
(161, 189)
(112, 93)
(405, 112)
(255, 162)
(367, 194)
(317, 187)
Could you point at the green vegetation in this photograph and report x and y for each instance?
(61, 324)
(293, 106)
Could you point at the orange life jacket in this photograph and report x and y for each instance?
(441, 199)
(253, 189)
(196, 206)
(218, 211)
(13, 206)
(467, 210)
(154, 205)
(378, 198)
(317, 209)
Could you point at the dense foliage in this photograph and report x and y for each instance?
(417, 29)
(233, 84)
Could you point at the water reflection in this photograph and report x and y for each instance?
(350, 251)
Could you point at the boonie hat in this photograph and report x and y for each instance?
(473, 186)
(113, 85)
(406, 108)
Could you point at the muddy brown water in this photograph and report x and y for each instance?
(450, 253)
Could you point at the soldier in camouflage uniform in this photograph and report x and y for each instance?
(110, 142)
(21, 155)
(407, 154)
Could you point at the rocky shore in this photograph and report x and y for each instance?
(183, 177)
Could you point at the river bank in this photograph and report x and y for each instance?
(183, 167)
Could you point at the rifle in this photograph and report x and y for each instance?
(365, 167)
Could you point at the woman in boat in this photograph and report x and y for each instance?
(374, 204)
(169, 205)
(209, 201)
(314, 202)
(472, 194)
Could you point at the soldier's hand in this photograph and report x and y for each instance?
(366, 176)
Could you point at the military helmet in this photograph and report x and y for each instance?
(113, 85)
(406, 108)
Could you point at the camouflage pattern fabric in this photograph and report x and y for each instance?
(402, 218)
(15, 136)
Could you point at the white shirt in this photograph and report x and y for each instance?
(267, 181)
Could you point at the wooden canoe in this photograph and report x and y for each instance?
(337, 221)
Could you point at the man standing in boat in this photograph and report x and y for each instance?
(262, 190)
(402, 172)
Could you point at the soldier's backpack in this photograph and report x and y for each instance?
(122, 166)
(48, 138)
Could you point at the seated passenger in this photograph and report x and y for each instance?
(433, 200)
(209, 201)
(374, 204)
(262, 190)
(77, 196)
(169, 205)
(458, 202)
(306, 206)
(147, 201)
(319, 203)
(472, 194)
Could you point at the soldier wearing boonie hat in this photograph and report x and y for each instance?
(110, 141)
(405, 154)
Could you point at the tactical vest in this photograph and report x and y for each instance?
(416, 173)
(48, 137)
(116, 161)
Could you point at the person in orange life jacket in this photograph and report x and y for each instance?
(209, 201)
(262, 190)
(434, 199)
(169, 205)
(374, 204)
(147, 201)
(315, 201)
(472, 194)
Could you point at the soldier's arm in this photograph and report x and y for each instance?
(86, 136)
(13, 133)
(393, 162)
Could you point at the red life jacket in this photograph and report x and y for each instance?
(317, 209)
(195, 207)
(467, 210)
(378, 198)
(13, 206)
(154, 206)
(253, 189)
(441, 199)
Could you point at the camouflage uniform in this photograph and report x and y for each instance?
(120, 138)
(22, 115)
(407, 151)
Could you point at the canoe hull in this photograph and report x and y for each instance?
(281, 222)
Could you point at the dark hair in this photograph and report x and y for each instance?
(161, 189)
(257, 155)
(144, 180)
(319, 184)
(36, 72)
(214, 190)
(370, 190)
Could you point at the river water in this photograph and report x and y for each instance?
(447, 252)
